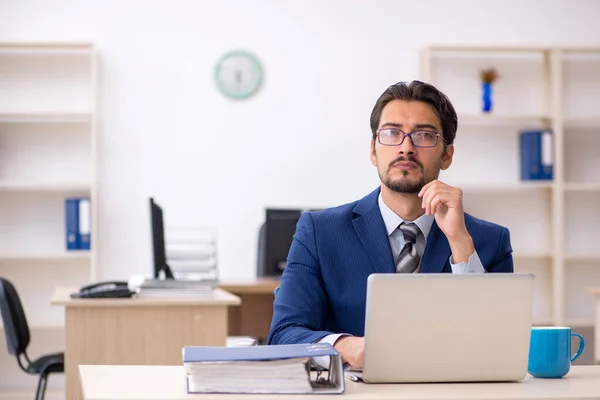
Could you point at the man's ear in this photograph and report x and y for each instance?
(447, 156)
(373, 155)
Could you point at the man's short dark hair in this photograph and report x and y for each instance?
(419, 91)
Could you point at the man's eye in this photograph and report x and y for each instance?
(425, 135)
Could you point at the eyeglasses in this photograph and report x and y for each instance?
(395, 137)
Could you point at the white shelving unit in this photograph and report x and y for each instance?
(553, 225)
(47, 153)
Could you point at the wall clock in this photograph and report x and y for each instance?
(238, 74)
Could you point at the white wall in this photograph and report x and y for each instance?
(303, 140)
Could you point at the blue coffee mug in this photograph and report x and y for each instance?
(550, 351)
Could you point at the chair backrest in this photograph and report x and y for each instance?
(13, 318)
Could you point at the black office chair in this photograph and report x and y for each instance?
(17, 339)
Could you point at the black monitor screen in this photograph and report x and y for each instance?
(280, 227)
(158, 241)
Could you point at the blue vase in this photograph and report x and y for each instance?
(487, 97)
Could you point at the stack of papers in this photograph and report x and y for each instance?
(240, 341)
(192, 252)
(275, 376)
(192, 257)
(176, 288)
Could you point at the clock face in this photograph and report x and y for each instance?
(238, 74)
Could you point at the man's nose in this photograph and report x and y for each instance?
(407, 146)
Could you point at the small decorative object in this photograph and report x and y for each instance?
(238, 74)
(488, 77)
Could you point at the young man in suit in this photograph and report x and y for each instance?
(412, 223)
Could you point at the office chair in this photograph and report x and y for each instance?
(17, 339)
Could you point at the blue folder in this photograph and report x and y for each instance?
(537, 154)
(72, 237)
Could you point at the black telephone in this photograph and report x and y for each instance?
(106, 289)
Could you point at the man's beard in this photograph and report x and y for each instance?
(408, 186)
(405, 186)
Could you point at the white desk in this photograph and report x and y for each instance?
(148, 382)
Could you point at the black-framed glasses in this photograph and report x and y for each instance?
(395, 137)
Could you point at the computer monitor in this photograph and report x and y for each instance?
(277, 234)
(158, 242)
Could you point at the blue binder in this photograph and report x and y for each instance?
(329, 381)
(72, 223)
(537, 154)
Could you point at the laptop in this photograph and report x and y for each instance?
(447, 328)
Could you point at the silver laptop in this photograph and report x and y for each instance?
(447, 328)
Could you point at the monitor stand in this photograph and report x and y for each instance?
(166, 273)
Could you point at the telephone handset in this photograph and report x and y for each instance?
(105, 289)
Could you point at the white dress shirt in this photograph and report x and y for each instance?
(396, 238)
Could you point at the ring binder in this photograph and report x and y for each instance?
(263, 369)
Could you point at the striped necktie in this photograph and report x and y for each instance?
(408, 260)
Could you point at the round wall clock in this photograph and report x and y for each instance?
(238, 74)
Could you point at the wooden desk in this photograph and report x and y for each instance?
(253, 317)
(138, 331)
(107, 382)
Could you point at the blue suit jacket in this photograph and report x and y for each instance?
(323, 287)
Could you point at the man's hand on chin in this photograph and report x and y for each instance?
(445, 203)
(352, 349)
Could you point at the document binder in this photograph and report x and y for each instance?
(537, 154)
(72, 224)
(263, 369)
(78, 223)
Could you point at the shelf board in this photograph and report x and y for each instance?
(505, 187)
(508, 49)
(582, 256)
(576, 122)
(542, 321)
(581, 50)
(496, 119)
(484, 48)
(45, 117)
(580, 322)
(583, 186)
(29, 186)
(35, 48)
(46, 257)
(532, 254)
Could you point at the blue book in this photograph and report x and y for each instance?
(537, 154)
(263, 369)
(72, 224)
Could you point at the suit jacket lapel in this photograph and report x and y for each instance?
(370, 228)
(437, 251)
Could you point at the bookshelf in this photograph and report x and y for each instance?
(47, 153)
(553, 224)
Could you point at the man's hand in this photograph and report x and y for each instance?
(352, 349)
(445, 202)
